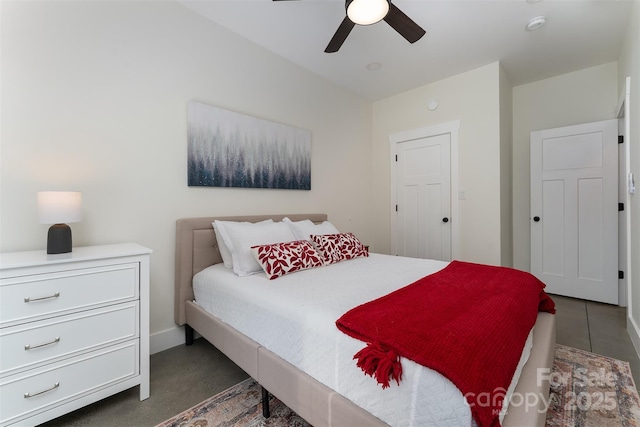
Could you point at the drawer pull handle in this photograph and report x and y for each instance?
(28, 395)
(31, 347)
(56, 295)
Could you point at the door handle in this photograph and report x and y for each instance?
(536, 218)
(445, 219)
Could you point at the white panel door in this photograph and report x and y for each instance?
(574, 210)
(424, 192)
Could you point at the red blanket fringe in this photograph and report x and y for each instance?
(468, 321)
(381, 362)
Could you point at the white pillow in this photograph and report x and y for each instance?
(224, 250)
(240, 237)
(225, 253)
(304, 229)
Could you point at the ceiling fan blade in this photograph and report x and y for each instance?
(340, 36)
(403, 24)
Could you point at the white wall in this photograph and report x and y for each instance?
(629, 66)
(580, 97)
(94, 99)
(506, 173)
(472, 98)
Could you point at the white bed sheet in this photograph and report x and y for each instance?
(294, 317)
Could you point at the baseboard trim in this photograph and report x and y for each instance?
(166, 339)
(634, 334)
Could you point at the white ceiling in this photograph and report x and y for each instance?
(461, 35)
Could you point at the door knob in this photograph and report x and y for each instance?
(445, 219)
(536, 218)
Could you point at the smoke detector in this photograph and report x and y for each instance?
(535, 23)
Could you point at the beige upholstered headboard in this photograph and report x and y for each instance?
(196, 249)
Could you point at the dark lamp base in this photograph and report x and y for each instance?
(59, 239)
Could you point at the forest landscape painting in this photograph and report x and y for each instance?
(229, 149)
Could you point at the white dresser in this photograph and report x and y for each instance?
(74, 329)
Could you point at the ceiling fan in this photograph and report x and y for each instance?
(367, 12)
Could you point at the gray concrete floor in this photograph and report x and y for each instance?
(596, 327)
(184, 376)
(181, 377)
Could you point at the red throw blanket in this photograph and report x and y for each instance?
(469, 322)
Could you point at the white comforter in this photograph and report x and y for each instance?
(294, 317)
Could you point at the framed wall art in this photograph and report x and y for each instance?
(230, 149)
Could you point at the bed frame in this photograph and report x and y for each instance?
(196, 249)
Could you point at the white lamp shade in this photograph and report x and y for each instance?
(366, 12)
(59, 207)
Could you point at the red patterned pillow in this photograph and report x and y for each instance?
(338, 247)
(279, 259)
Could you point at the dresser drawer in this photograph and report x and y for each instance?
(40, 389)
(37, 343)
(34, 297)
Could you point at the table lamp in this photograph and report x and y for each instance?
(58, 208)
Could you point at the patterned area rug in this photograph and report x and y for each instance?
(591, 390)
(586, 390)
(240, 405)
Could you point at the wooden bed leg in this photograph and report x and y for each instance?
(188, 334)
(265, 403)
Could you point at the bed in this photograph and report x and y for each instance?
(197, 250)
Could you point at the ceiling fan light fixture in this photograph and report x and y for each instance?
(367, 12)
